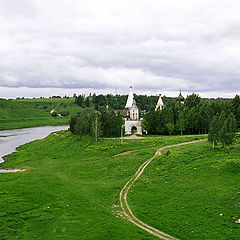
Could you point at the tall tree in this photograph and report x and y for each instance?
(213, 132)
(229, 130)
(80, 100)
(96, 126)
(87, 102)
(181, 122)
(192, 100)
(170, 128)
(222, 129)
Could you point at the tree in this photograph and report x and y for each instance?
(105, 123)
(181, 122)
(96, 126)
(229, 130)
(80, 101)
(213, 132)
(72, 123)
(87, 102)
(151, 121)
(220, 126)
(170, 128)
(83, 122)
(111, 122)
(235, 107)
(192, 100)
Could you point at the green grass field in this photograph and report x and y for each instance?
(71, 190)
(193, 193)
(35, 112)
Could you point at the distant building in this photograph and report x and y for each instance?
(160, 104)
(132, 119)
(180, 98)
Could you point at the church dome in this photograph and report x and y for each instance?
(180, 97)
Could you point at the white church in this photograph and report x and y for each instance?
(132, 118)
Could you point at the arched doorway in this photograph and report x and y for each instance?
(133, 130)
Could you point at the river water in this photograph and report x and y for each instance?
(11, 139)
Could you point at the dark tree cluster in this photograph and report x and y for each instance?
(102, 123)
(55, 97)
(116, 102)
(82, 101)
(146, 102)
(192, 117)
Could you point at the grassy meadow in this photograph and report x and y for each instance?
(192, 193)
(23, 113)
(71, 187)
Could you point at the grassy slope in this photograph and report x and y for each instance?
(191, 194)
(33, 112)
(70, 194)
(48, 104)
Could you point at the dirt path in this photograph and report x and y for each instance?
(126, 210)
(133, 136)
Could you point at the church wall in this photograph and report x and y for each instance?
(129, 124)
(134, 115)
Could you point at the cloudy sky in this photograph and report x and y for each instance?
(51, 47)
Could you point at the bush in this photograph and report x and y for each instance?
(54, 114)
(64, 113)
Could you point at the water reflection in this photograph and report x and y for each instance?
(11, 139)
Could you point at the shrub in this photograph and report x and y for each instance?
(64, 113)
(54, 114)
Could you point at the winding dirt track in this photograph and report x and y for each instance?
(126, 210)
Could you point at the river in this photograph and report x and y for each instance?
(11, 139)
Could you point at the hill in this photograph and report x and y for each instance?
(20, 114)
(60, 105)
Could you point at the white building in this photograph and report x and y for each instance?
(160, 104)
(132, 119)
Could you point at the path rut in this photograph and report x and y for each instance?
(126, 210)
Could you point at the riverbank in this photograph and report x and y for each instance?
(26, 113)
(11, 139)
(8, 124)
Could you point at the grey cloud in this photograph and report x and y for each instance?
(150, 44)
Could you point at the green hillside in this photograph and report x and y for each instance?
(35, 112)
(10, 109)
(47, 104)
(191, 193)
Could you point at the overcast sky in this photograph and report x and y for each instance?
(50, 47)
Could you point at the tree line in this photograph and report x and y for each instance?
(192, 117)
(195, 116)
(104, 122)
(116, 102)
